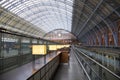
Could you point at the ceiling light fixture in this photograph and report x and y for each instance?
(59, 34)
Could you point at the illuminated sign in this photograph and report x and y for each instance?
(39, 49)
(55, 47)
(52, 47)
(60, 46)
(66, 45)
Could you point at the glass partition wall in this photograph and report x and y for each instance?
(16, 50)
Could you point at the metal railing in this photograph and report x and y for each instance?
(93, 69)
(101, 65)
(88, 77)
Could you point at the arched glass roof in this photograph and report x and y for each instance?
(59, 34)
(80, 17)
(46, 14)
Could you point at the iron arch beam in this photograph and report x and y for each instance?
(48, 5)
(107, 24)
(64, 3)
(46, 17)
(108, 5)
(59, 29)
(90, 17)
(34, 18)
(100, 17)
(44, 12)
(36, 13)
(34, 5)
(64, 14)
(76, 16)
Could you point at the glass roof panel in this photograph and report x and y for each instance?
(46, 14)
(57, 14)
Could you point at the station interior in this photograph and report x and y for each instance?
(59, 39)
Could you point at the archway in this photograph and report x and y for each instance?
(60, 36)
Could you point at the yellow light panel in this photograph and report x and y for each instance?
(66, 45)
(39, 49)
(52, 47)
(60, 46)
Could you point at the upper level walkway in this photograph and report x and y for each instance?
(81, 66)
(27, 70)
(72, 71)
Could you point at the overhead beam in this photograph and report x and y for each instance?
(90, 17)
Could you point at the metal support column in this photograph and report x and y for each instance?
(114, 63)
(106, 39)
(115, 36)
(19, 51)
(1, 59)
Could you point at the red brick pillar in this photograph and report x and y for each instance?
(103, 40)
(110, 39)
(97, 43)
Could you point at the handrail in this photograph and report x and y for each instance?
(99, 64)
(44, 65)
(82, 67)
(91, 68)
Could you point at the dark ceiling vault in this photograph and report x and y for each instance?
(90, 16)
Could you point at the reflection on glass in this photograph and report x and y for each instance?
(25, 46)
(10, 46)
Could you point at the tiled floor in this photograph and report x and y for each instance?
(70, 72)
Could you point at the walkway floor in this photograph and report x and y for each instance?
(70, 72)
(25, 71)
